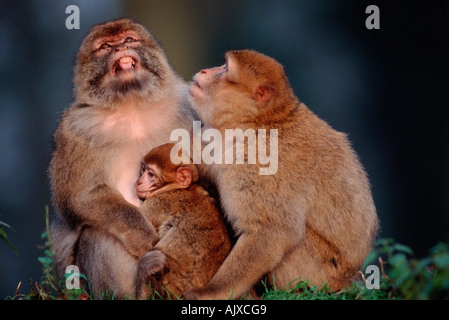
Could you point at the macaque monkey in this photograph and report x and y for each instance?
(192, 233)
(127, 100)
(314, 218)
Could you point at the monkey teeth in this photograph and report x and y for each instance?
(125, 63)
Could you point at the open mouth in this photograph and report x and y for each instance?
(123, 64)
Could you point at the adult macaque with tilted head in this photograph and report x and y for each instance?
(314, 218)
(193, 235)
(127, 100)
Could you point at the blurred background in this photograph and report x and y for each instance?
(388, 89)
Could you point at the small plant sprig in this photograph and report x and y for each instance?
(406, 277)
(402, 277)
(49, 280)
(4, 236)
(49, 277)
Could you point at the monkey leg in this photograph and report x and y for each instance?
(314, 262)
(299, 265)
(253, 256)
(106, 210)
(179, 276)
(64, 241)
(109, 268)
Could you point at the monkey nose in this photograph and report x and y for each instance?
(121, 47)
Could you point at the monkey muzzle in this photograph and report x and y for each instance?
(124, 61)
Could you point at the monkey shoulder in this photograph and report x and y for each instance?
(78, 114)
(202, 198)
(308, 142)
(79, 125)
(195, 205)
(195, 199)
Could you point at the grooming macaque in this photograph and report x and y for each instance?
(127, 100)
(314, 219)
(193, 236)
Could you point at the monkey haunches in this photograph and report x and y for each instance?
(213, 153)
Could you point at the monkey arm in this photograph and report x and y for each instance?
(106, 210)
(82, 198)
(110, 212)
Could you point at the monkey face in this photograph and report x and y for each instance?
(207, 82)
(219, 95)
(248, 87)
(159, 174)
(121, 63)
(120, 52)
(150, 180)
(119, 60)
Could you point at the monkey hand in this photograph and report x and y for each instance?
(153, 263)
(152, 266)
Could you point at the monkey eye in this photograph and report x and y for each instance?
(129, 39)
(104, 46)
(151, 173)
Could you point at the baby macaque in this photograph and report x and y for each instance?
(192, 234)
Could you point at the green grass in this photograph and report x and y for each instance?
(401, 277)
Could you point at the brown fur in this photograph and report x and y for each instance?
(114, 119)
(193, 236)
(315, 218)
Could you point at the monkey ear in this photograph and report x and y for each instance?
(263, 95)
(183, 177)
